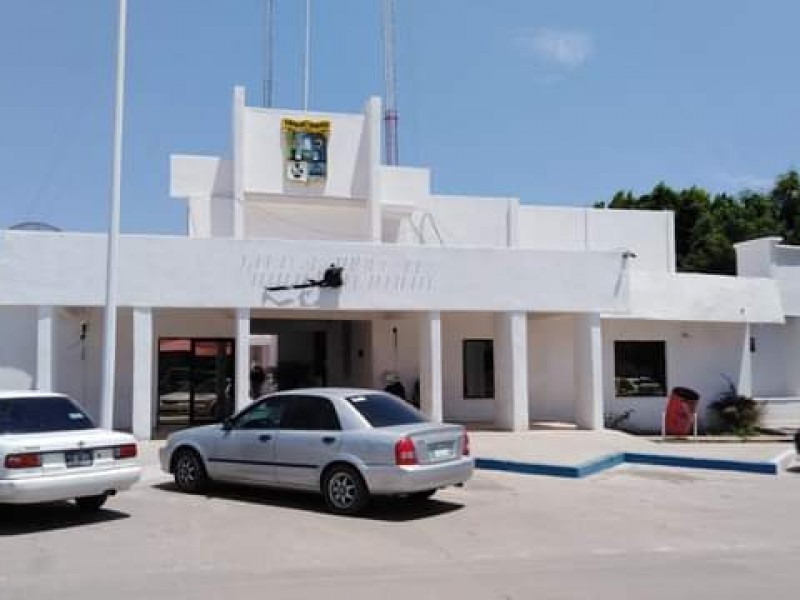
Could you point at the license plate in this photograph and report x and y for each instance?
(78, 458)
(443, 451)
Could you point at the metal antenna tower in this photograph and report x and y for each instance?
(269, 13)
(390, 115)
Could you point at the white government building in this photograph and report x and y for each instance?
(498, 312)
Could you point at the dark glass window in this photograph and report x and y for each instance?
(478, 362)
(309, 413)
(383, 410)
(263, 415)
(640, 368)
(41, 414)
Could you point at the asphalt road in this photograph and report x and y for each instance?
(629, 533)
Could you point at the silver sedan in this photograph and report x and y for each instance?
(347, 444)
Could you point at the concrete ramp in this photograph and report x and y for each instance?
(577, 454)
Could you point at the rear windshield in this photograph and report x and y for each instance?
(41, 414)
(382, 410)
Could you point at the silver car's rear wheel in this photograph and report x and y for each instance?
(344, 490)
(189, 471)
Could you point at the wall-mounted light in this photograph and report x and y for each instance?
(331, 278)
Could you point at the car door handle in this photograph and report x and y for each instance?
(328, 439)
(264, 437)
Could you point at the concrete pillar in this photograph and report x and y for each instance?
(238, 162)
(44, 348)
(430, 365)
(242, 358)
(511, 371)
(373, 123)
(143, 349)
(744, 382)
(589, 371)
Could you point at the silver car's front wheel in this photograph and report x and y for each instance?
(189, 472)
(344, 490)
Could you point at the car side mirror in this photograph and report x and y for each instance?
(227, 424)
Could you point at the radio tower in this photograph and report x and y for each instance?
(390, 110)
(269, 12)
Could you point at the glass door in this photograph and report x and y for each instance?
(195, 380)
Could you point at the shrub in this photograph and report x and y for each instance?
(736, 413)
(617, 420)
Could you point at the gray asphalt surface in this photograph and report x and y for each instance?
(629, 533)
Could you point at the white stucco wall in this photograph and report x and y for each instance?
(468, 221)
(649, 234)
(697, 356)
(267, 220)
(775, 360)
(455, 329)
(18, 347)
(551, 358)
(402, 357)
(263, 168)
(698, 297)
(69, 269)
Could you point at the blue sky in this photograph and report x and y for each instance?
(553, 101)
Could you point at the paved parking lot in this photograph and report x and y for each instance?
(630, 532)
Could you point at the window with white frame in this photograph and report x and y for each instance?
(478, 363)
(640, 368)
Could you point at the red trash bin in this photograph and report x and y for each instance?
(681, 409)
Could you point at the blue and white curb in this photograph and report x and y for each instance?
(771, 467)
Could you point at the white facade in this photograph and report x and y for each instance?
(776, 348)
(540, 295)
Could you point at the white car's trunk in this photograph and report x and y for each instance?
(85, 450)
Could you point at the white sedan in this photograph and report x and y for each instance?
(347, 444)
(50, 450)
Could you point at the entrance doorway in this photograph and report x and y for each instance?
(195, 380)
(297, 353)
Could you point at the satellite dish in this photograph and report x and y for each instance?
(34, 226)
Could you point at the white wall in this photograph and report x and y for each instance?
(69, 269)
(18, 347)
(457, 327)
(551, 372)
(403, 186)
(697, 354)
(699, 297)
(264, 161)
(468, 221)
(401, 357)
(649, 234)
(267, 220)
(775, 360)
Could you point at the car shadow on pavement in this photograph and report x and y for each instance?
(22, 519)
(380, 509)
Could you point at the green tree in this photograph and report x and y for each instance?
(706, 228)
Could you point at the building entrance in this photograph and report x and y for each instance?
(195, 380)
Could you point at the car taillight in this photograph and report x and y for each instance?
(465, 444)
(125, 451)
(23, 461)
(404, 452)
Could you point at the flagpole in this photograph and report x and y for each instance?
(307, 56)
(110, 329)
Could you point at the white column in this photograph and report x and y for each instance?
(372, 114)
(745, 380)
(44, 348)
(242, 358)
(142, 417)
(511, 371)
(430, 365)
(238, 162)
(589, 371)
